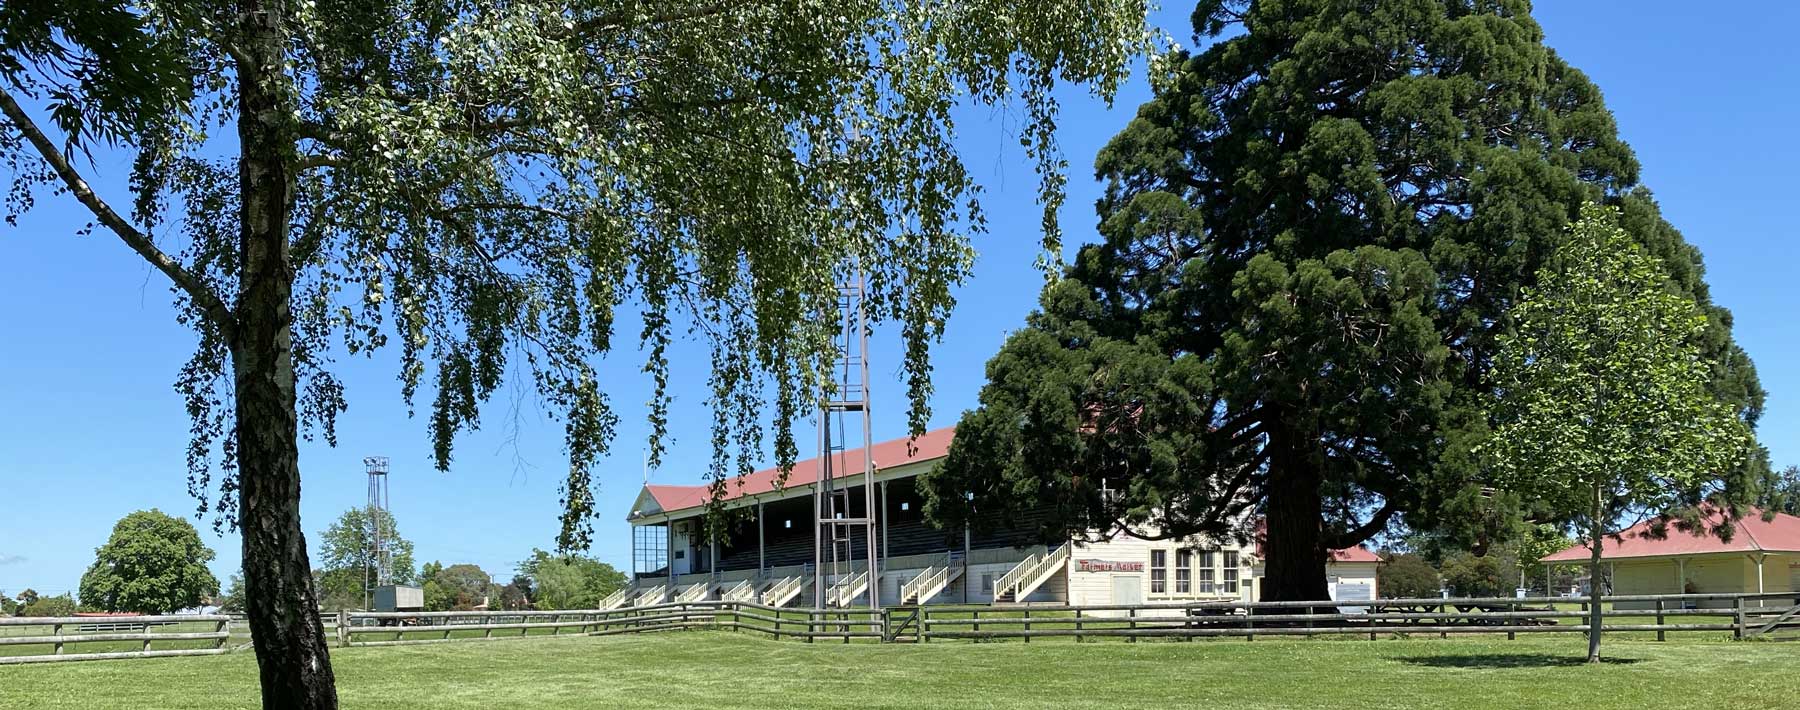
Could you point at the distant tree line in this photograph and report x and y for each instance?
(154, 563)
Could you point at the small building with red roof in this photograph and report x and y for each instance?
(766, 552)
(1762, 557)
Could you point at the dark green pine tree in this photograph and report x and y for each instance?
(1312, 235)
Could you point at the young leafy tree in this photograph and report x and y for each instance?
(1311, 236)
(151, 564)
(570, 581)
(459, 587)
(1604, 410)
(59, 605)
(347, 554)
(484, 185)
(1407, 576)
(232, 600)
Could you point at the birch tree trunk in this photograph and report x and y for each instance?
(292, 653)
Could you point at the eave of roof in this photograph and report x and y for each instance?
(888, 455)
(1754, 535)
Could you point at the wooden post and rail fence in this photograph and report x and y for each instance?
(1743, 616)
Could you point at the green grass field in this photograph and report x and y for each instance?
(720, 669)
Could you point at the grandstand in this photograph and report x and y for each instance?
(767, 551)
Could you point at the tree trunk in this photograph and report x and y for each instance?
(292, 653)
(1595, 532)
(1293, 548)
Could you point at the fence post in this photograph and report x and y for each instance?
(1659, 619)
(1078, 625)
(976, 617)
(224, 631)
(1738, 613)
(1249, 623)
(57, 632)
(1027, 626)
(1132, 615)
(809, 626)
(1513, 608)
(343, 629)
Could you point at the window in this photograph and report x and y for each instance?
(1159, 571)
(1231, 572)
(1207, 559)
(1206, 579)
(787, 524)
(1184, 570)
(987, 584)
(904, 505)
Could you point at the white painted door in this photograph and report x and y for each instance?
(1128, 589)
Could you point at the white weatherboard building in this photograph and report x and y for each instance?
(767, 553)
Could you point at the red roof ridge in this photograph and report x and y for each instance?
(893, 453)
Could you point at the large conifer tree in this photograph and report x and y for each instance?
(1312, 236)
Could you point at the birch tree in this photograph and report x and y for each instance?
(482, 186)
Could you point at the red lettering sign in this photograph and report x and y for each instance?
(1108, 566)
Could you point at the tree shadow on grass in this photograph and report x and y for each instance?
(1508, 660)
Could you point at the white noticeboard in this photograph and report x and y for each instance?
(1345, 592)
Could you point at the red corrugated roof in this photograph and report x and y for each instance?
(1753, 535)
(934, 444)
(1354, 554)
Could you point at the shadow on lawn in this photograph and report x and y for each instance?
(1508, 660)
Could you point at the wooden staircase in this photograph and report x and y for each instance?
(1029, 574)
(651, 595)
(744, 591)
(616, 599)
(844, 591)
(785, 590)
(932, 581)
(695, 593)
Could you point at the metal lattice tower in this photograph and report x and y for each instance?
(380, 571)
(843, 417)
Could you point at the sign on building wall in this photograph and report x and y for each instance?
(1107, 566)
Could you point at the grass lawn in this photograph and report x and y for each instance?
(719, 669)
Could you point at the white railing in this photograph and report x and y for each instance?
(933, 580)
(845, 590)
(743, 591)
(1025, 577)
(694, 593)
(616, 599)
(653, 595)
(784, 591)
(916, 586)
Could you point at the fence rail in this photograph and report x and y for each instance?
(1745, 616)
(1741, 615)
(49, 639)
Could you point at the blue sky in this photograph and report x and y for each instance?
(91, 427)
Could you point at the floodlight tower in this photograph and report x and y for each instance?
(379, 572)
(844, 416)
